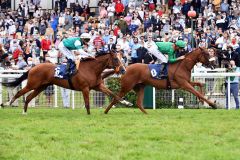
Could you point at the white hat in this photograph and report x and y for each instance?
(85, 36)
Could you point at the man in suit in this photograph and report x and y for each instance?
(111, 45)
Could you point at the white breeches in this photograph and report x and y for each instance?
(154, 51)
(66, 52)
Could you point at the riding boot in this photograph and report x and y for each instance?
(74, 69)
(162, 74)
(71, 67)
(68, 68)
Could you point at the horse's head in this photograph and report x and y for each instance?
(204, 58)
(116, 62)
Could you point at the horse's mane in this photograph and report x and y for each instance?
(91, 59)
(187, 54)
(101, 54)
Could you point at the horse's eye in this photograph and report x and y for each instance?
(115, 60)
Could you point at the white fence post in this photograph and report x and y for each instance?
(154, 98)
(173, 96)
(73, 102)
(229, 94)
(1, 92)
(55, 96)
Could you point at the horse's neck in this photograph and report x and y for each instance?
(191, 60)
(100, 64)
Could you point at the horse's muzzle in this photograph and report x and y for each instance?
(122, 70)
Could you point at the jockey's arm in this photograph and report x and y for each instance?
(82, 54)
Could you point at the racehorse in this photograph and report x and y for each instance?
(138, 75)
(87, 77)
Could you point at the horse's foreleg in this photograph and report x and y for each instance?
(33, 95)
(139, 89)
(86, 99)
(114, 101)
(200, 85)
(187, 86)
(107, 74)
(107, 91)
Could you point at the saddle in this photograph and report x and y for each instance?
(60, 70)
(158, 71)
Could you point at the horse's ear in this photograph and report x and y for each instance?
(113, 51)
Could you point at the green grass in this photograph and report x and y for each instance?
(123, 134)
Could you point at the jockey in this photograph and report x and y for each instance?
(67, 45)
(170, 49)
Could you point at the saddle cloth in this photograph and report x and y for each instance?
(155, 70)
(60, 71)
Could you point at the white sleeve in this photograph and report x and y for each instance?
(77, 43)
(84, 54)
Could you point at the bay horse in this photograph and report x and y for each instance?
(138, 75)
(88, 76)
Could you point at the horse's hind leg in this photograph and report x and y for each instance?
(114, 101)
(33, 95)
(125, 88)
(86, 99)
(139, 89)
(19, 94)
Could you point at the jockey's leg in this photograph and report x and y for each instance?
(158, 55)
(71, 66)
(163, 59)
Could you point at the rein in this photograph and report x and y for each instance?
(172, 78)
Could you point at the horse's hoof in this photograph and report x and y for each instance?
(105, 112)
(214, 106)
(2, 105)
(124, 102)
(24, 113)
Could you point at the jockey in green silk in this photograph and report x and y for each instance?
(170, 49)
(70, 44)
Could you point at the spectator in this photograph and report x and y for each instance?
(98, 41)
(141, 52)
(119, 8)
(65, 97)
(224, 6)
(111, 12)
(234, 84)
(45, 44)
(213, 58)
(122, 24)
(134, 46)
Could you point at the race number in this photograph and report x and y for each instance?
(57, 73)
(154, 72)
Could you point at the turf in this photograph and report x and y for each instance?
(123, 134)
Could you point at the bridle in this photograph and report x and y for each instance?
(186, 58)
(115, 61)
(203, 53)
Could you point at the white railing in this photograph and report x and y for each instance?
(206, 75)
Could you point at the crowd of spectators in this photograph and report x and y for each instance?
(130, 26)
(30, 35)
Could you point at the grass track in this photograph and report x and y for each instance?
(123, 134)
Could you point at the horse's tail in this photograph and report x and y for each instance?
(17, 81)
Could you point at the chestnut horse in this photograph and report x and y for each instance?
(87, 77)
(179, 75)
